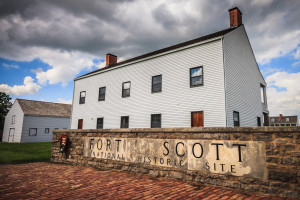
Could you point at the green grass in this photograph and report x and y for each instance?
(24, 152)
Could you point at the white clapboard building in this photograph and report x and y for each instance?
(211, 81)
(33, 121)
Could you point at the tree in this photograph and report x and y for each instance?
(5, 105)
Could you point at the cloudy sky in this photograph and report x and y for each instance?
(45, 44)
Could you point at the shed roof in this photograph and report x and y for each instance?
(30, 107)
(190, 42)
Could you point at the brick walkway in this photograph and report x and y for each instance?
(54, 181)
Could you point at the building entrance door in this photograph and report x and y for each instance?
(197, 119)
(11, 135)
(80, 122)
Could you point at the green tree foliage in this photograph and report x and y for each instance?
(5, 105)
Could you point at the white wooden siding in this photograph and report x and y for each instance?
(242, 79)
(17, 111)
(41, 122)
(176, 101)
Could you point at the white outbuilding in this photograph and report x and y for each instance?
(33, 121)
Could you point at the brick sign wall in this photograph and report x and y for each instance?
(262, 160)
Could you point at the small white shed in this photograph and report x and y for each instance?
(33, 121)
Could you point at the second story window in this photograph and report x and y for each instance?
(82, 97)
(156, 83)
(125, 122)
(196, 76)
(126, 89)
(262, 93)
(13, 119)
(236, 118)
(102, 94)
(100, 123)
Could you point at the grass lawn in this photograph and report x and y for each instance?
(24, 152)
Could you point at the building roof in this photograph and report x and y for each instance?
(280, 120)
(180, 45)
(42, 108)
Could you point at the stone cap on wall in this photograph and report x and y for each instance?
(265, 129)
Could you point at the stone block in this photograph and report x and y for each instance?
(283, 135)
(250, 188)
(288, 147)
(231, 184)
(290, 161)
(153, 173)
(272, 159)
(176, 175)
(284, 176)
(262, 137)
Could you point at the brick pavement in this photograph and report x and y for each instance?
(55, 181)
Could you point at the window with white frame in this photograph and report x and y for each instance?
(196, 76)
(262, 93)
(102, 94)
(156, 83)
(82, 97)
(33, 132)
(47, 130)
(236, 118)
(13, 119)
(126, 89)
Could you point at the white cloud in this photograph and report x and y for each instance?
(7, 66)
(36, 70)
(65, 65)
(287, 101)
(297, 53)
(29, 87)
(60, 100)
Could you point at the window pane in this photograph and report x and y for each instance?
(127, 85)
(196, 72)
(156, 79)
(82, 94)
(197, 80)
(102, 90)
(157, 87)
(126, 93)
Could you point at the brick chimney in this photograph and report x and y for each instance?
(280, 116)
(111, 59)
(235, 16)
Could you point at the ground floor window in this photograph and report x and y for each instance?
(156, 121)
(99, 123)
(33, 132)
(125, 122)
(46, 130)
(236, 118)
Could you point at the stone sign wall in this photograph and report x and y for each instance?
(264, 159)
(223, 157)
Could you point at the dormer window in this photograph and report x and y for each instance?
(272, 120)
(287, 119)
